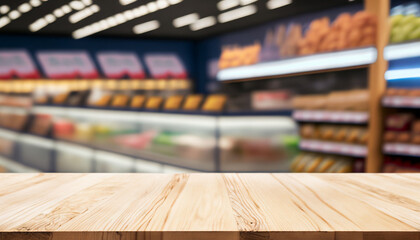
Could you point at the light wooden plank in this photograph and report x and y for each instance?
(210, 206)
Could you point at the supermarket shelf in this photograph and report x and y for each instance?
(90, 151)
(331, 116)
(15, 167)
(14, 110)
(152, 159)
(305, 64)
(334, 148)
(401, 102)
(402, 50)
(402, 74)
(8, 134)
(402, 149)
(38, 141)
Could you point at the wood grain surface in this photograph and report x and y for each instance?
(210, 206)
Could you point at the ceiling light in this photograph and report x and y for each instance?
(226, 4)
(4, 9)
(111, 21)
(173, 2)
(77, 5)
(152, 7)
(129, 14)
(138, 12)
(120, 18)
(203, 23)
(126, 2)
(4, 21)
(35, 3)
(146, 27)
(80, 15)
(162, 4)
(104, 24)
(273, 4)
(96, 27)
(25, 7)
(37, 25)
(49, 18)
(143, 9)
(185, 20)
(87, 2)
(58, 12)
(14, 14)
(237, 13)
(246, 2)
(95, 8)
(66, 9)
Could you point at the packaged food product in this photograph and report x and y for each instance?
(138, 101)
(120, 100)
(214, 103)
(173, 102)
(399, 122)
(193, 102)
(154, 102)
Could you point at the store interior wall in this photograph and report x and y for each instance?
(33, 44)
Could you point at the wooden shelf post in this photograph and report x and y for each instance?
(377, 86)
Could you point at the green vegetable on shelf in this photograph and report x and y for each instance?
(404, 28)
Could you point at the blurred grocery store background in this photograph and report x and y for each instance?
(209, 86)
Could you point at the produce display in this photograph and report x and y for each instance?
(405, 22)
(393, 92)
(353, 100)
(277, 148)
(14, 121)
(324, 163)
(129, 138)
(401, 165)
(402, 128)
(238, 56)
(15, 100)
(347, 31)
(335, 133)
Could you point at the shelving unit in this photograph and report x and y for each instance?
(371, 58)
(402, 51)
(401, 102)
(15, 167)
(302, 65)
(82, 158)
(331, 116)
(214, 126)
(334, 148)
(411, 150)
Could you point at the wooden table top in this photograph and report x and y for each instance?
(210, 206)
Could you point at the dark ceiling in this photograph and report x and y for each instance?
(165, 16)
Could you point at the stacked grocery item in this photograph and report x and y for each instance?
(353, 100)
(401, 165)
(235, 56)
(347, 31)
(402, 92)
(405, 22)
(402, 128)
(15, 101)
(257, 149)
(335, 133)
(13, 121)
(324, 163)
(341, 136)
